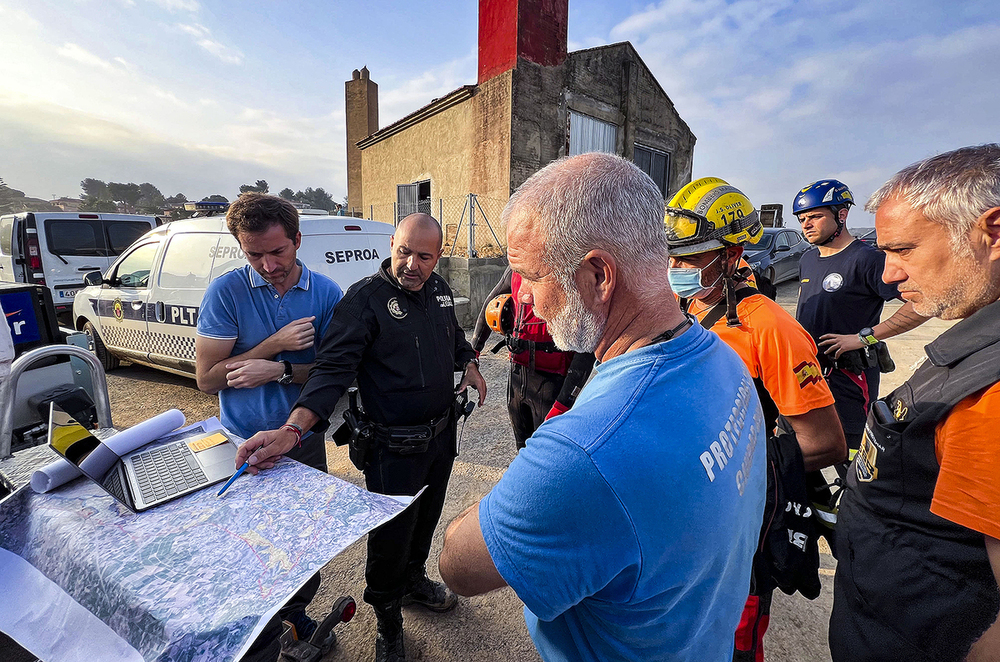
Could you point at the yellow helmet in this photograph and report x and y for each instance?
(709, 214)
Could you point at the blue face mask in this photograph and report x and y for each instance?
(686, 281)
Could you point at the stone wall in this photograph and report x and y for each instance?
(472, 279)
(610, 83)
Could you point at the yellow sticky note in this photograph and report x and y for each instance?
(207, 442)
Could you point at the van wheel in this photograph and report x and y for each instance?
(107, 359)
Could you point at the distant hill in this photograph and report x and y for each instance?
(13, 201)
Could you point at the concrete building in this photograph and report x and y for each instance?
(533, 103)
(66, 204)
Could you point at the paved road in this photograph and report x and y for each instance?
(489, 627)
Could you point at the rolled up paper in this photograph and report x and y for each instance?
(60, 472)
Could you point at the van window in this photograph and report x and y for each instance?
(122, 234)
(187, 262)
(80, 236)
(133, 270)
(7, 235)
(228, 256)
(72, 236)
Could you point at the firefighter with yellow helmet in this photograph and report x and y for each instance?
(544, 380)
(707, 223)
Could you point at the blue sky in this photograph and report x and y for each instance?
(200, 96)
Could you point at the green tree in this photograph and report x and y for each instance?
(95, 189)
(151, 200)
(287, 194)
(315, 198)
(93, 204)
(259, 187)
(178, 199)
(215, 198)
(128, 195)
(96, 196)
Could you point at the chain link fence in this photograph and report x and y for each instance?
(468, 221)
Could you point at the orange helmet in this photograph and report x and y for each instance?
(500, 314)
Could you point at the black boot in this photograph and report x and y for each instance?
(389, 638)
(433, 595)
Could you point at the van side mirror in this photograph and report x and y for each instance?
(93, 278)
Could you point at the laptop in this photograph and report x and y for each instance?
(151, 475)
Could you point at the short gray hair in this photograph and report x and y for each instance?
(597, 200)
(952, 189)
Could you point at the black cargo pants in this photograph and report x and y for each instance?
(398, 550)
(530, 394)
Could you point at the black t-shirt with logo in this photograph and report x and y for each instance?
(842, 293)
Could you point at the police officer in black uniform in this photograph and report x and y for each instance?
(396, 331)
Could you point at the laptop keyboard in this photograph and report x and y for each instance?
(165, 471)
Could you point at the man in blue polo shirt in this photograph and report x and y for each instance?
(258, 325)
(257, 329)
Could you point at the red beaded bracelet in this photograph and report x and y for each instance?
(296, 429)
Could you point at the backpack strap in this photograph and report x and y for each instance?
(719, 309)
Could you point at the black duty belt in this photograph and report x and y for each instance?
(518, 345)
(859, 360)
(411, 439)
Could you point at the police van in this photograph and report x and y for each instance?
(144, 308)
(56, 249)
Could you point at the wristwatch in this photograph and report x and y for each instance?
(286, 377)
(867, 336)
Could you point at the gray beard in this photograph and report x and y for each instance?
(962, 298)
(574, 328)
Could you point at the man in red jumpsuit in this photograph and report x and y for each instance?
(544, 381)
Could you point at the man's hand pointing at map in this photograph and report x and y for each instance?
(265, 448)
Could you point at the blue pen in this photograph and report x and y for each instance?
(235, 476)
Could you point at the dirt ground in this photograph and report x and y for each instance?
(489, 627)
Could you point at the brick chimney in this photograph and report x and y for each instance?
(362, 120)
(531, 29)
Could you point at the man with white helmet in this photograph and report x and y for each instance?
(840, 302)
(708, 222)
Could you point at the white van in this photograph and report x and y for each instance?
(56, 249)
(144, 308)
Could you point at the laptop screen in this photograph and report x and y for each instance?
(94, 459)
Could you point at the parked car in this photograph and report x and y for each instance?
(144, 308)
(56, 249)
(777, 254)
(866, 235)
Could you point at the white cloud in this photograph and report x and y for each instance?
(18, 18)
(780, 94)
(397, 99)
(203, 37)
(83, 56)
(178, 5)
